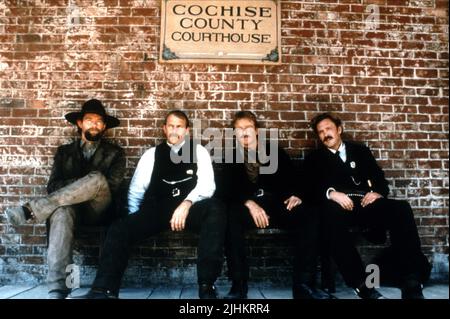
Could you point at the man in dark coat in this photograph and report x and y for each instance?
(85, 178)
(345, 178)
(264, 192)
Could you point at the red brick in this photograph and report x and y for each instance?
(418, 118)
(317, 79)
(292, 116)
(343, 80)
(439, 101)
(34, 240)
(355, 90)
(425, 55)
(131, 20)
(236, 77)
(402, 72)
(318, 97)
(380, 90)
(237, 96)
(329, 89)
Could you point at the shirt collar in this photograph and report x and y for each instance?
(93, 144)
(341, 149)
(176, 147)
(88, 149)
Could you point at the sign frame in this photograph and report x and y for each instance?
(193, 13)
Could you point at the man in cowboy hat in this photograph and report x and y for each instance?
(85, 178)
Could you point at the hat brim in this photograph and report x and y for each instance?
(110, 121)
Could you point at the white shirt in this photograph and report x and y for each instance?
(141, 179)
(342, 152)
(343, 155)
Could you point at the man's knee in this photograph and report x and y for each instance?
(216, 204)
(63, 215)
(331, 211)
(97, 177)
(217, 209)
(235, 212)
(403, 204)
(119, 228)
(402, 209)
(308, 215)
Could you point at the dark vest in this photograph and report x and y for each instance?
(172, 182)
(355, 180)
(85, 164)
(281, 184)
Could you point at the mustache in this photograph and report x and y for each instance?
(247, 135)
(327, 138)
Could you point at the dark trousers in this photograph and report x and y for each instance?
(394, 216)
(302, 221)
(206, 217)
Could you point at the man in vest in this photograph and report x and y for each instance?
(171, 190)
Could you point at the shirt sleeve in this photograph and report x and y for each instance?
(141, 180)
(329, 190)
(205, 177)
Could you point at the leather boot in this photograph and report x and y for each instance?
(238, 290)
(368, 293)
(412, 289)
(207, 291)
(96, 293)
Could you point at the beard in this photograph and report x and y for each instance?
(93, 137)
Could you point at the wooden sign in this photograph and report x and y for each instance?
(230, 31)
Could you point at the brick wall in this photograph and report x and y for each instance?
(388, 79)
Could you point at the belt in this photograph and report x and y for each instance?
(176, 192)
(355, 195)
(261, 192)
(354, 192)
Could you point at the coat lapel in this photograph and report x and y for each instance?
(333, 160)
(351, 158)
(75, 156)
(337, 164)
(77, 151)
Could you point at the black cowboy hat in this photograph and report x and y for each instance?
(96, 107)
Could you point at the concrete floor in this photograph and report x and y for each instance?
(434, 291)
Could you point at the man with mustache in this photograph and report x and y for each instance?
(171, 189)
(346, 180)
(83, 184)
(259, 198)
